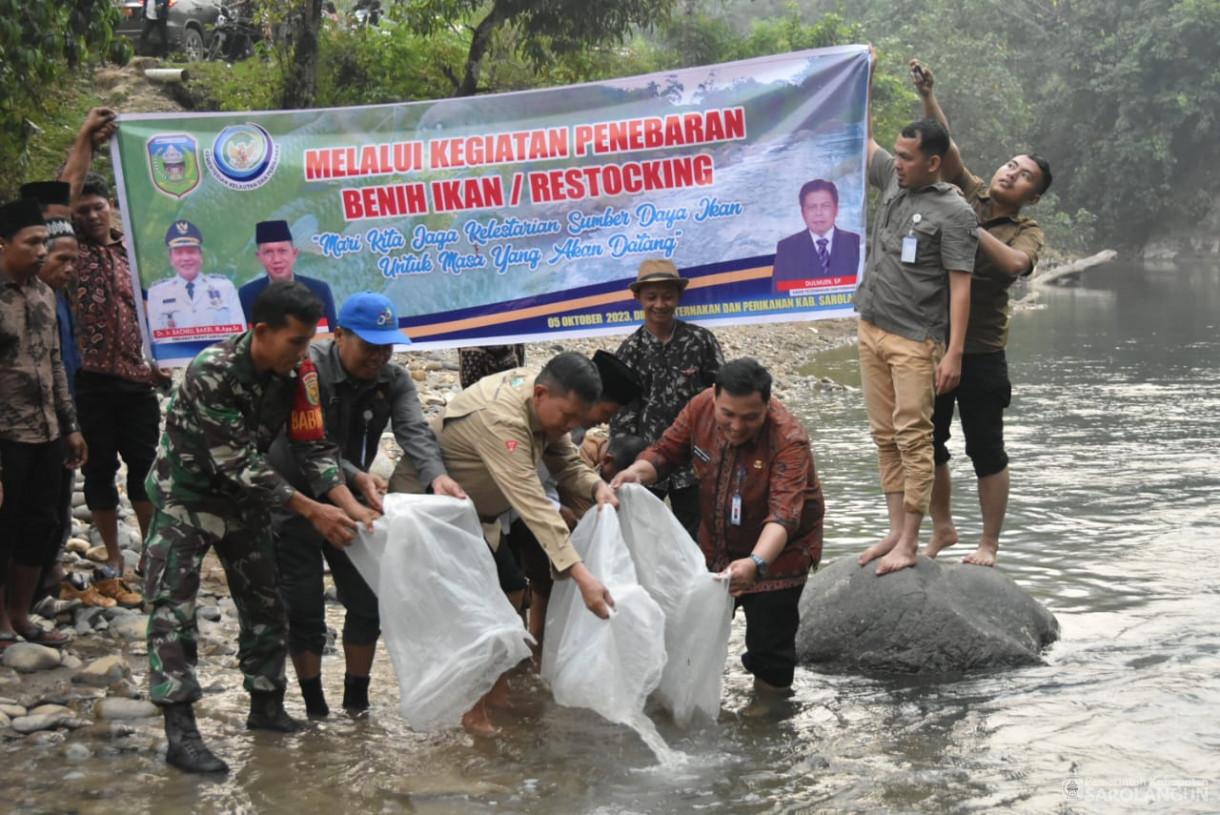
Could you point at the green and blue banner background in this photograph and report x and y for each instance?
(519, 216)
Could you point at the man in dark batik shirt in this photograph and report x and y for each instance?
(674, 361)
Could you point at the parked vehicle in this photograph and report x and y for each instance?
(189, 25)
(236, 32)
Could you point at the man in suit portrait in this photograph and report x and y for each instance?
(277, 255)
(821, 250)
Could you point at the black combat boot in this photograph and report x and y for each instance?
(186, 750)
(267, 712)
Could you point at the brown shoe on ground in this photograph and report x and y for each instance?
(88, 596)
(117, 589)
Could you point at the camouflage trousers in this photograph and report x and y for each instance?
(178, 539)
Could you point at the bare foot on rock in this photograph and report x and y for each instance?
(879, 548)
(984, 555)
(942, 538)
(902, 556)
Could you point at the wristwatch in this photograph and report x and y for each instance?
(761, 571)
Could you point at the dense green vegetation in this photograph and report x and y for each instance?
(1121, 95)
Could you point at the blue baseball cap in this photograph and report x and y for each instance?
(371, 317)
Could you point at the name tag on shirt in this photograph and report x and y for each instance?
(735, 511)
(909, 245)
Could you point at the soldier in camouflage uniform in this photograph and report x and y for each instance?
(211, 486)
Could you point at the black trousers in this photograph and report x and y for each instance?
(29, 516)
(981, 397)
(299, 552)
(684, 503)
(161, 26)
(772, 618)
(117, 418)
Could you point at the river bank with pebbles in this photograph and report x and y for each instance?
(88, 700)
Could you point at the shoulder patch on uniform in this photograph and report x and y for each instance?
(511, 444)
(516, 381)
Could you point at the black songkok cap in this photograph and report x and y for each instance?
(619, 383)
(272, 232)
(19, 214)
(48, 193)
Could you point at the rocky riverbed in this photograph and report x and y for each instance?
(89, 699)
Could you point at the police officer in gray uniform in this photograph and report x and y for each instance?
(361, 390)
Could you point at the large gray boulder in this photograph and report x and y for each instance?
(934, 618)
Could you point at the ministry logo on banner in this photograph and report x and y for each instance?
(173, 164)
(243, 157)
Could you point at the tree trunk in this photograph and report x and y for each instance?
(480, 43)
(301, 78)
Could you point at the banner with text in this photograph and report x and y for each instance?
(512, 217)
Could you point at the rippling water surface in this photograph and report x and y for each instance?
(1113, 434)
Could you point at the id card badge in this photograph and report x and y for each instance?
(735, 511)
(909, 245)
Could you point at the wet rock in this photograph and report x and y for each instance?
(97, 554)
(124, 709)
(88, 615)
(210, 613)
(934, 618)
(134, 627)
(32, 724)
(28, 657)
(44, 710)
(124, 689)
(69, 694)
(77, 752)
(103, 671)
(78, 545)
(46, 739)
(12, 709)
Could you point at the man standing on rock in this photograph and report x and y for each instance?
(361, 390)
(762, 506)
(213, 487)
(1009, 244)
(919, 261)
(115, 388)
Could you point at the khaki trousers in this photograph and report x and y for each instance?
(898, 377)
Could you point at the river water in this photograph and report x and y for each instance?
(1113, 435)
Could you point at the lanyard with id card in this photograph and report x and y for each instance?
(910, 245)
(735, 509)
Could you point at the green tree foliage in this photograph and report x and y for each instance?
(1130, 107)
(41, 43)
(546, 29)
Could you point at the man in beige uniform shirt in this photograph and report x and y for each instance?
(492, 437)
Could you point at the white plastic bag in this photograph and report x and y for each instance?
(698, 608)
(448, 627)
(609, 666)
